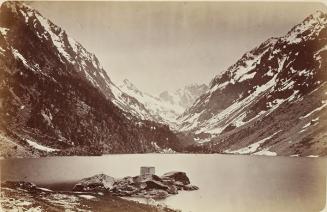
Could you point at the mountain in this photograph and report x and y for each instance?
(272, 101)
(166, 107)
(56, 98)
(184, 97)
(161, 111)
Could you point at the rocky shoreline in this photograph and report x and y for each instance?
(146, 186)
(97, 193)
(25, 196)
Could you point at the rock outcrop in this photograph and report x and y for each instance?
(149, 186)
(98, 182)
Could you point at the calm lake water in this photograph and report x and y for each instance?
(226, 182)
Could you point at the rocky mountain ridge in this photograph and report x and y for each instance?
(166, 107)
(272, 101)
(56, 99)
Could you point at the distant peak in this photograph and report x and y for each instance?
(195, 85)
(164, 93)
(192, 85)
(127, 82)
(129, 85)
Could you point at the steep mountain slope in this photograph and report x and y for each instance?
(165, 108)
(271, 101)
(55, 98)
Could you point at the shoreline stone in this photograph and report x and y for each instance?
(149, 186)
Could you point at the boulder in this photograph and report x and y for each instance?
(100, 182)
(148, 186)
(177, 176)
(179, 185)
(127, 190)
(172, 189)
(149, 177)
(190, 187)
(152, 184)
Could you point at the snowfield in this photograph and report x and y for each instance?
(253, 148)
(40, 147)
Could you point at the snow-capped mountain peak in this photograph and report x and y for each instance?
(130, 86)
(308, 29)
(185, 96)
(160, 111)
(266, 91)
(71, 52)
(57, 97)
(166, 107)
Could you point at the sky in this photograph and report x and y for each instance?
(162, 46)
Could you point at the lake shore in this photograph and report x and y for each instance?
(258, 183)
(24, 196)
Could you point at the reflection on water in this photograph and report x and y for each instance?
(227, 183)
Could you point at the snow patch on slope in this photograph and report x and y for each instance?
(210, 126)
(253, 147)
(156, 106)
(3, 31)
(56, 39)
(40, 147)
(324, 104)
(315, 22)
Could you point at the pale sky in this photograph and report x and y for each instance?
(165, 45)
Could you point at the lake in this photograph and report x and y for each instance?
(226, 182)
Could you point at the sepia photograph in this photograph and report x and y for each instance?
(163, 106)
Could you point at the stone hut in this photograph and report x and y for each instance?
(147, 170)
